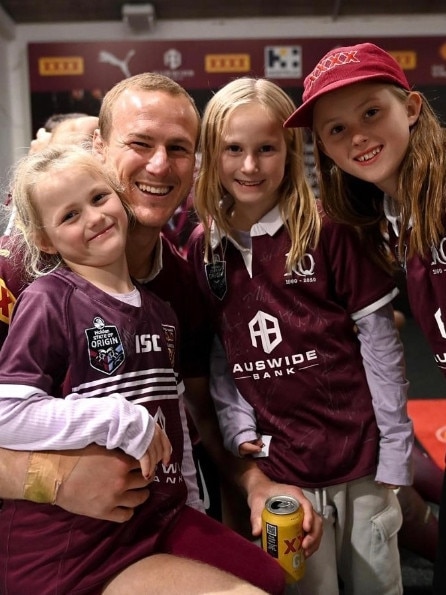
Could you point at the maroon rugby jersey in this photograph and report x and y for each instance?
(174, 283)
(293, 351)
(426, 289)
(87, 341)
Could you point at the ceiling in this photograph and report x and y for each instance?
(58, 11)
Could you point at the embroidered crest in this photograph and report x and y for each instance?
(105, 348)
(216, 277)
(170, 335)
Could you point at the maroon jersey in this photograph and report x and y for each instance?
(174, 283)
(426, 289)
(79, 339)
(292, 347)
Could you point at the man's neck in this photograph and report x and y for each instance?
(141, 250)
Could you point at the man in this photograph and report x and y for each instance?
(148, 130)
(73, 127)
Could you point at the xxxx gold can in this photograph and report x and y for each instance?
(282, 534)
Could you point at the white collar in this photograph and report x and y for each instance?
(269, 224)
(393, 215)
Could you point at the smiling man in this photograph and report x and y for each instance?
(148, 130)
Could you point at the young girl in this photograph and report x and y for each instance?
(72, 223)
(307, 327)
(91, 356)
(382, 159)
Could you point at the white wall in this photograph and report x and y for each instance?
(7, 31)
(15, 118)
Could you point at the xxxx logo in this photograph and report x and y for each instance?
(330, 62)
(292, 546)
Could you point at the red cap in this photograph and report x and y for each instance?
(341, 67)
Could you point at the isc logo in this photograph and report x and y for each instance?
(145, 343)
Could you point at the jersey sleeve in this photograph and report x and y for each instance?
(188, 467)
(32, 420)
(236, 417)
(383, 358)
(35, 352)
(35, 359)
(359, 284)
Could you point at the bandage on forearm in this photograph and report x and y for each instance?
(45, 474)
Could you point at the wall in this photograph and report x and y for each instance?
(7, 32)
(15, 120)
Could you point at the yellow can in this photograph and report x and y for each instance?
(282, 534)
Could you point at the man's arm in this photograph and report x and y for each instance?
(244, 473)
(102, 484)
(258, 488)
(13, 467)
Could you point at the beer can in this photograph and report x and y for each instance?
(282, 534)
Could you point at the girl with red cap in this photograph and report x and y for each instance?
(380, 150)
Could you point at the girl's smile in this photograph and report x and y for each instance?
(365, 129)
(252, 163)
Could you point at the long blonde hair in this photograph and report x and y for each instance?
(420, 192)
(28, 173)
(297, 203)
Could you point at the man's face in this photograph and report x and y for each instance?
(152, 149)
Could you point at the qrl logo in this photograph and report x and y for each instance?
(439, 254)
(305, 266)
(265, 328)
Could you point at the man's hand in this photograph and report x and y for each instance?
(104, 484)
(259, 488)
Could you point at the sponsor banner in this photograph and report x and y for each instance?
(61, 66)
(209, 64)
(227, 63)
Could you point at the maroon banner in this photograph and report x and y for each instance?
(209, 64)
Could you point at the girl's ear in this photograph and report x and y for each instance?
(43, 243)
(320, 145)
(414, 103)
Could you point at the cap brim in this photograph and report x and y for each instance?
(303, 116)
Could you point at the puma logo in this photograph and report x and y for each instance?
(123, 65)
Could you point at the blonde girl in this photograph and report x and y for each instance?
(70, 229)
(287, 288)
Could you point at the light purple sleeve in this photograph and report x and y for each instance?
(32, 420)
(236, 417)
(383, 357)
(188, 468)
